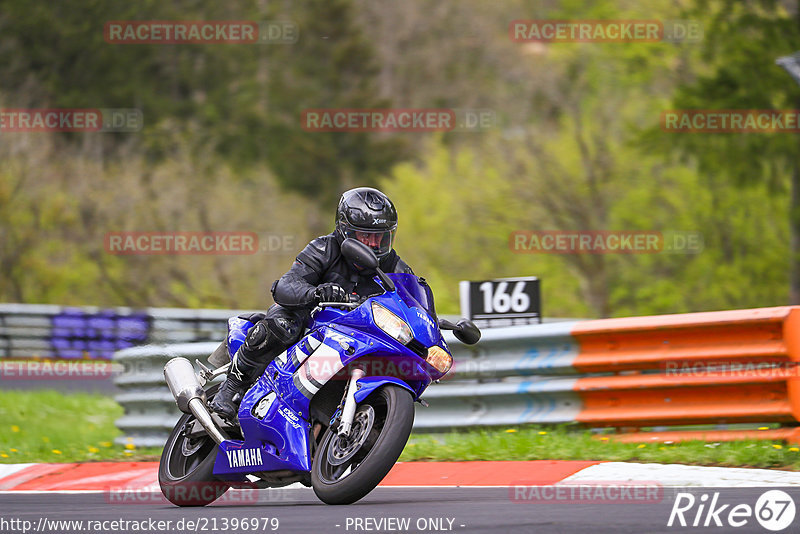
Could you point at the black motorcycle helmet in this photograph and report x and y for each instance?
(366, 214)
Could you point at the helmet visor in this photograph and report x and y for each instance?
(380, 241)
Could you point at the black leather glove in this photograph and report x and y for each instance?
(330, 292)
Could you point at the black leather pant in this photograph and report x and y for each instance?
(279, 329)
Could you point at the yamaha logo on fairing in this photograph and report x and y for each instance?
(244, 457)
(424, 316)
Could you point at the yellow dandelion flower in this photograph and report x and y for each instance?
(641, 446)
(94, 449)
(56, 451)
(792, 449)
(105, 443)
(15, 450)
(14, 428)
(763, 428)
(775, 445)
(3, 455)
(511, 430)
(542, 433)
(604, 438)
(130, 446)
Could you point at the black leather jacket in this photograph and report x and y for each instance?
(321, 262)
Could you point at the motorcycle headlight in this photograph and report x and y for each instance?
(439, 358)
(391, 323)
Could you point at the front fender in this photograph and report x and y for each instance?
(368, 384)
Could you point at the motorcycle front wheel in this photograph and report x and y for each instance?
(345, 469)
(185, 472)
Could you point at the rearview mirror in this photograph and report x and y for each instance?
(465, 330)
(359, 254)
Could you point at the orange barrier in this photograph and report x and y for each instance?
(723, 367)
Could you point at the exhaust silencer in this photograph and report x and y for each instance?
(190, 395)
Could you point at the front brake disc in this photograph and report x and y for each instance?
(343, 448)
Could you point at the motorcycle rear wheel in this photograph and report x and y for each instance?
(185, 472)
(345, 470)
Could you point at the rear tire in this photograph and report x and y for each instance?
(185, 472)
(390, 425)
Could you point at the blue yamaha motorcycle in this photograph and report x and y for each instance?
(334, 411)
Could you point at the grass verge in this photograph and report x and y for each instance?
(48, 426)
(564, 443)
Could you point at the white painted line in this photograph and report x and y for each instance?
(10, 469)
(671, 475)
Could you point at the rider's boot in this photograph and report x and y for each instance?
(240, 377)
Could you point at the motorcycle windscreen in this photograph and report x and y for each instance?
(413, 293)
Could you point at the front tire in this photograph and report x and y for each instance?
(185, 472)
(345, 470)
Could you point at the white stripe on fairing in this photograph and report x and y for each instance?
(325, 363)
(281, 358)
(9, 469)
(301, 374)
(300, 355)
(313, 343)
(672, 475)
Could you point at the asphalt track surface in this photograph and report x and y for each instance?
(427, 510)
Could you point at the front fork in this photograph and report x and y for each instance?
(349, 409)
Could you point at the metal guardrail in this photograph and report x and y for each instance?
(503, 380)
(608, 372)
(51, 332)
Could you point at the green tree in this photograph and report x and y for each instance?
(742, 41)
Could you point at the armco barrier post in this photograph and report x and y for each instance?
(791, 336)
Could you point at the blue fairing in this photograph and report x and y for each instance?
(237, 331)
(274, 413)
(369, 384)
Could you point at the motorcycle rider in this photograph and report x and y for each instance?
(319, 274)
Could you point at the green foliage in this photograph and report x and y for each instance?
(242, 101)
(48, 426)
(456, 212)
(577, 146)
(742, 41)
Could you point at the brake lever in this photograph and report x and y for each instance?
(349, 305)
